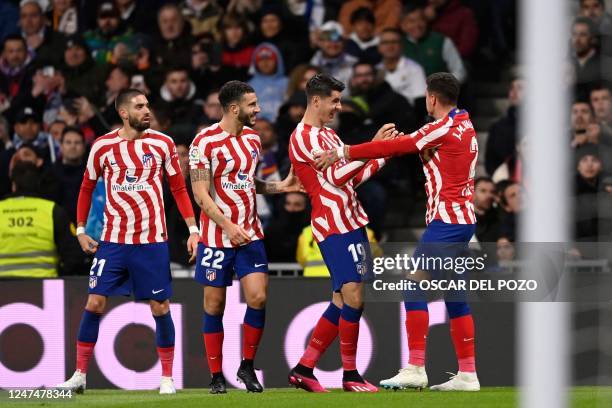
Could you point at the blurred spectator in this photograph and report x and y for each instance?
(212, 110)
(83, 77)
(28, 129)
(5, 136)
(39, 240)
(56, 129)
(299, 77)
(137, 15)
(290, 114)
(48, 184)
(69, 170)
(15, 73)
(434, 51)
(9, 17)
(203, 16)
(378, 100)
(63, 16)
(177, 95)
(587, 187)
(236, 51)
(48, 91)
(405, 76)
(585, 56)
(118, 80)
(108, 34)
(331, 56)
(387, 13)
(362, 42)
(456, 21)
(502, 138)
(596, 11)
(206, 65)
(43, 41)
(487, 216)
(511, 202)
(173, 42)
(272, 30)
(601, 101)
(283, 231)
(583, 126)
(268, 79)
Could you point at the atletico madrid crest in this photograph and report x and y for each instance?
(211, 274)
(93, 281)
(147, 160)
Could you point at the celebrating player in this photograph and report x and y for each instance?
(223, 159)
(449, 150)
(133, 255)
(338, 225)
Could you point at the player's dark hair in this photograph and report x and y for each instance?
(72, 129)
(232, 92)
(26, 177)
(125, 95)
(322, 85)
(445, 86)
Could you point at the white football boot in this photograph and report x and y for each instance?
(462, 381)
(410, 377)
(76, 383)
(166, 386)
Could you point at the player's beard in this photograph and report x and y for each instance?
(139, 125)
(246, 119)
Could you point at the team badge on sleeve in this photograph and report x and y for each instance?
(194, 155)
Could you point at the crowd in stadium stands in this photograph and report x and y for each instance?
(63, 62)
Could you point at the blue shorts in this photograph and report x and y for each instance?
(141, 269)
(347, 256)
(216, 266)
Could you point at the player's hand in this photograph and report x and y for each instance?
(386, 131)
(324, 160)
(237, 234)
(88, 244)
(291, 184)
(192, 246)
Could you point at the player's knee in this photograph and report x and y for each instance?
(257, 300)
(96, 304)
(159, 308)
(214, 305)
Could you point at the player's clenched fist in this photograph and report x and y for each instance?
(236, 234)
(88, 244)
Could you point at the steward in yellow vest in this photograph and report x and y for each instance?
(309, 255)
(36, 237)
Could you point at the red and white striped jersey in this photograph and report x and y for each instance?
(133, 172)
(335, 207)
(232, 161)
(449, 152)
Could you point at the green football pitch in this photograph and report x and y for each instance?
(285, 397)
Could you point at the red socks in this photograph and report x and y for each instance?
(462, 333)
(84, 353)
(250, 341)
(417, 327)
(166, 356)
(214, 351)
(349, 334)
(323, 335)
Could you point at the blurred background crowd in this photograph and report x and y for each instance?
(62, 63)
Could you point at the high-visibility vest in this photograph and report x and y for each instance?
(27, 247)
(309, 255)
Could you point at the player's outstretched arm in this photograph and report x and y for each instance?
(200, 183)
(291, 184)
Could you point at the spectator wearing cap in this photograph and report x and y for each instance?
(236, 51)
(203, 16)
(362, 42)
(15, 72)
(585, 56)
(28, 129)
(43, 41)
(456, 21)
(69, 169)
(83, 77)
(331, 56)
(173, 41)
(63, 17)
(271, 29)
(108, 33)
(434, 51)
(268, 79)
(386, 12)
(176, 97)
(405, 76)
